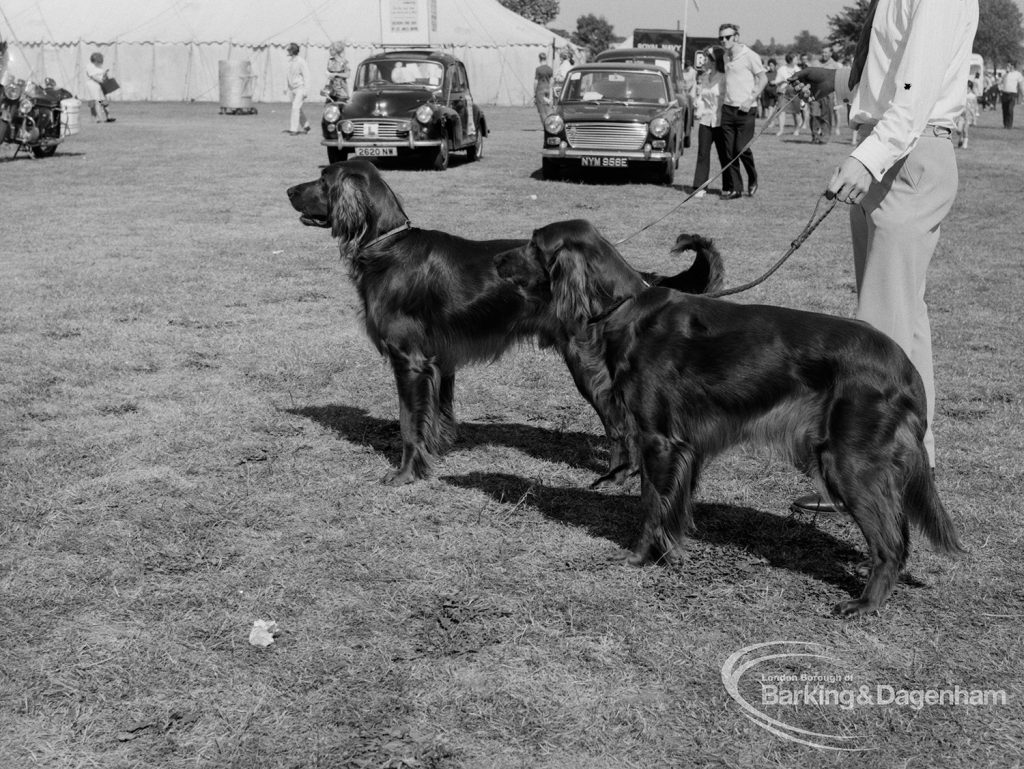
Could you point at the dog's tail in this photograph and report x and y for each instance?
(705, 275)
(924, 508)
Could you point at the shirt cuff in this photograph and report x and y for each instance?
(842, 88)
(873, 154)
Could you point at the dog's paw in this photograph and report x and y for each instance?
(615, 477)
(399, 477)
(854, 608)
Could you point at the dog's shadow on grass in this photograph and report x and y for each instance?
(784, 542)
(581, 450)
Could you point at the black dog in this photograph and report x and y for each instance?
(697, 375)
(433, 302)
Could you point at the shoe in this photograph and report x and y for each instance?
(779, 133)
(110, 119)
(731, 195)
(700, 193)
(752, 190)
(814, 504)
(291, 133)
(305, 128)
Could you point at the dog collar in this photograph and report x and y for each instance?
(389, 233)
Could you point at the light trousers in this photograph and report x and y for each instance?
(298, 117)
(895, 231)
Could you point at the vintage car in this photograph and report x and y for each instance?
(614, 116)
(406, 103)
(668, 60)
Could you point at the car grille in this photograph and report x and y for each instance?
(606, 136)
(387, 130)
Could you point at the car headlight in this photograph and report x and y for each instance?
(659, 127)
(554, 124)
(13, 91)
(347, 127)
(26, 105)
(332, 114)
(424, 113)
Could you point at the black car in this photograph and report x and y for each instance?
(614, 116)
(406, 103)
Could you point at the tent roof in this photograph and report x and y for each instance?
(255, 22)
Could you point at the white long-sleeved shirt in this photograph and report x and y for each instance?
(298, 74)
(917, 63)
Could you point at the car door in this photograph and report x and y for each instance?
(461, 100)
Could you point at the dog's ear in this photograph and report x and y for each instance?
(567, 271)
(351, 216)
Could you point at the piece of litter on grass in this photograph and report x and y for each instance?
(277, 253)
(533, 197)
(262, 633)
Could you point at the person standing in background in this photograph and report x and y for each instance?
(564, 65)
(298, 82)
(1011, 86)
(337, 73)
(95, 74)
(542, 86)
(744, 80)
(708, 93)
(906, 90)
(792, 105)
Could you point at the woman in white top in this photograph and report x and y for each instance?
(708, 93)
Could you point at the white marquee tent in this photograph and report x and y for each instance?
(169, 50)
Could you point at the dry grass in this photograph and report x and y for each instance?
(194, 426)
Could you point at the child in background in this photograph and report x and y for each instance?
(969, 116)
(337, 73)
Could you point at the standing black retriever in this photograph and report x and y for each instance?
(433, 302)
(697, 375)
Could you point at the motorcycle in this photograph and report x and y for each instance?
(37, 117)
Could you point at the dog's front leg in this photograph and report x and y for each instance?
(668, 478)
(417, 380)
(447, 426)
(594, 383)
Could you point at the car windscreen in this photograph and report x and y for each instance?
(385, 72)
(604, 85)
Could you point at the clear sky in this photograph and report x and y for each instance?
(757, 19)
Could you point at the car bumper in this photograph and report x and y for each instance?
(582, 158)
(381, 147)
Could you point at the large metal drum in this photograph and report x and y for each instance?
(237, 84)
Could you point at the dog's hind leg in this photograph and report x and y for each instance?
(669, 474)
(872, 495)
(418, 381)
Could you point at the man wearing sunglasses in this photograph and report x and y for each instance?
(745, 78)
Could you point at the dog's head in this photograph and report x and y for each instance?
(575, 268)
(351, 198)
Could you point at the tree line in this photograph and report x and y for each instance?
(1000, 30)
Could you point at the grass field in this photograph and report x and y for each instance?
(194, 426)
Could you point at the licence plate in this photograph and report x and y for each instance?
(376, 152)
(590, 161)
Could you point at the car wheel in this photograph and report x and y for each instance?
(44, 152)
(670, 174)
(477, 150)
(336, 155)
(441, 158)
(551, 170)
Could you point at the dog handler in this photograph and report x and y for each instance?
(906, 90)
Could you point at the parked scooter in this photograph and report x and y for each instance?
(37, 117)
